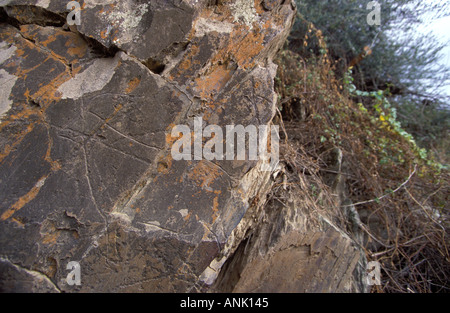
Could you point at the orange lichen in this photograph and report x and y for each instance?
(24, 114)
(18, 222)
(215, 209)
(245, 46)
(50, 239)
(169, 138)
(52, 234)
(259, 7)
(103, 34)
(118, 107)
(23, 200)
(76, 47)
(187, 62)
(241, 46)
(204, 174)
(47, 92)
(165, 163)
(132, 85)
(55, 166)
(210, 84)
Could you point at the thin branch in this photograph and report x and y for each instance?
(386, 195)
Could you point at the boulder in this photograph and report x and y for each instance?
(86, 169)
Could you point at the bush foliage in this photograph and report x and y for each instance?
(399, 189)
(402, 61)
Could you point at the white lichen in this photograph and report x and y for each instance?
(6, 51)
(244, 12)
(7, 81)
(43, 3)
(205, 26)
(184, 212)
(126, 18)
(94, 78)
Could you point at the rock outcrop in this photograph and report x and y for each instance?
(86, 170)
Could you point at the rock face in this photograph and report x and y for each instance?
(86, 171)
(289, 246)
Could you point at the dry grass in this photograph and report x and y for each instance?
(401, 200)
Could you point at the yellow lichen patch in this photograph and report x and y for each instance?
(24, 114)
(107, 9)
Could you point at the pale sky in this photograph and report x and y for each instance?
(441, 28)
